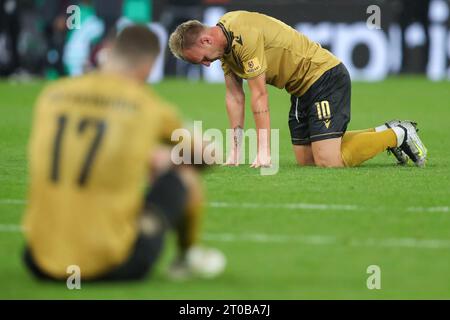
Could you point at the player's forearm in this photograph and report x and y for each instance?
(236, 111)
(261, 114)
(236, 116)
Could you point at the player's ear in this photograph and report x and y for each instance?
(205, 40)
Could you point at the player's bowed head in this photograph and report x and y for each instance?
(132, 53)
(197, 43)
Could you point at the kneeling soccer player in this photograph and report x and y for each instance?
(264, 50)
(90, 152)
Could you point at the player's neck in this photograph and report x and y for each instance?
(220, 36)
(120, 70)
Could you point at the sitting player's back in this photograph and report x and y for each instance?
(89, 154)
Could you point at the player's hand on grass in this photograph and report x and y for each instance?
(233, 159)
(263, 156)
(262, 161)
(235, 154)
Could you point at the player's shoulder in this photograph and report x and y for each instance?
(55, 88)
(68, 83)
(56, 84)
(153, 102)
(240, 25)
(240, 18)
(152, 97)
(235, 19)
(97, 86)
(229, 16)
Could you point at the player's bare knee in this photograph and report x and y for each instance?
(326, 160)
(329, 164)
(192, 181)
(188, 175)
(327, 153)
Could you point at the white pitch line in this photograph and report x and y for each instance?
(306, 239)
(329, 240)
(265, 238)
(319, 206)
(247, 205)
(429, 209)
(12, 201)
(291, 206)
(10, 228)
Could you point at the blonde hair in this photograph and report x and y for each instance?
(184, 37)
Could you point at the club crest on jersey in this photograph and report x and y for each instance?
(252, 65)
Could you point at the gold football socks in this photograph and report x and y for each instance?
(362, 145)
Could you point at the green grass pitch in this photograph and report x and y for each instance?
(304, 233)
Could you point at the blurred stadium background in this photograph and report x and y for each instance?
(414, 37)
(303, 233)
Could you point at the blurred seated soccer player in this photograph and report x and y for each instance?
(93, 143)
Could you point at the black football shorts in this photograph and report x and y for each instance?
(323, 112)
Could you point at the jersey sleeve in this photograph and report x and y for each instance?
(252, 53)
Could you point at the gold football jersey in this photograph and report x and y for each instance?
(89, 153)
(258, 43)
